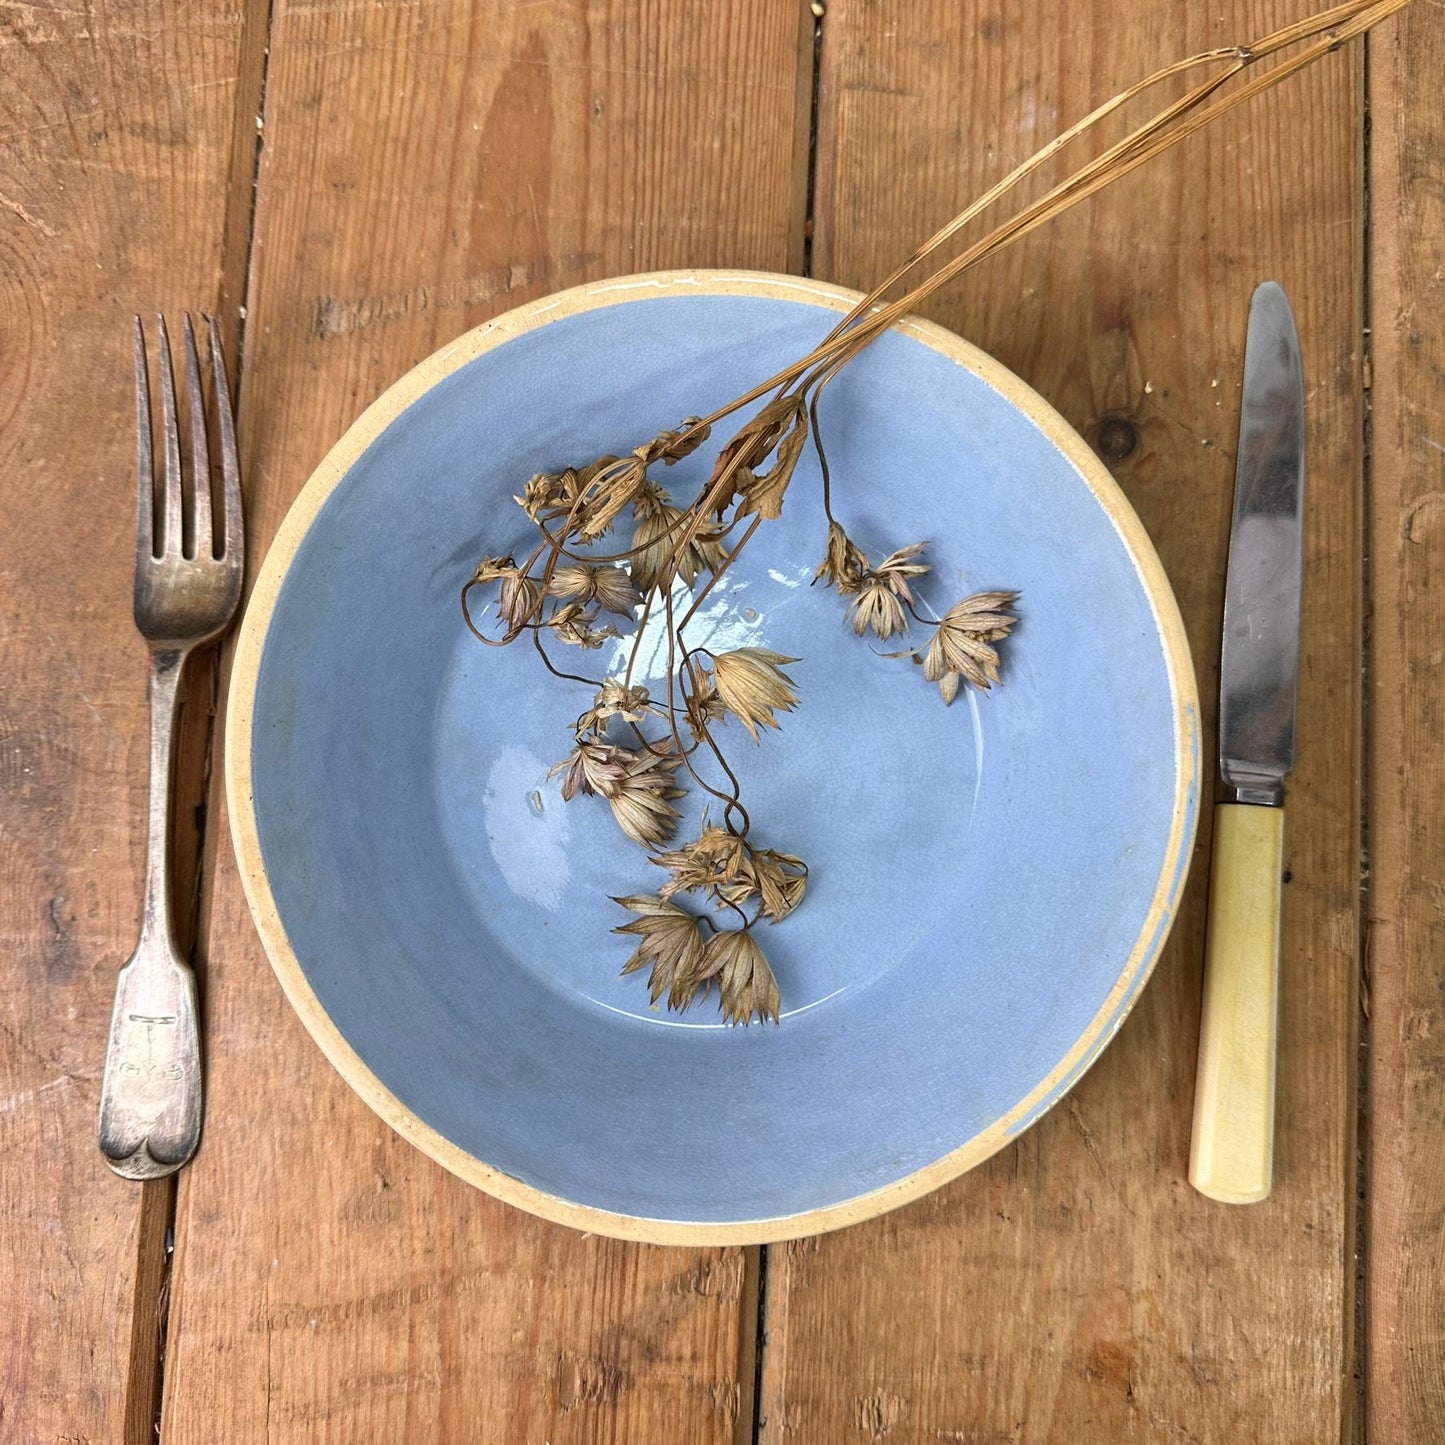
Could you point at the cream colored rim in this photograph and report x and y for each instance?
(252, 642)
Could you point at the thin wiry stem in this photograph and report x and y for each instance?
(822, 455)
(729, 802)
(557, 672)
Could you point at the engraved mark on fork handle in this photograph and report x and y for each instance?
(150, 1118)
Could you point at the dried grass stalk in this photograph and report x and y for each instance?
(564, 591)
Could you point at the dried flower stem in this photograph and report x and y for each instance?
(578, 583)
(866, 319)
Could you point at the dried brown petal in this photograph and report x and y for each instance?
(583, 477)
(844, 565)
(593, 767)
(876, 606)
(749, 447)
(763, 491)
(752, 685)
(611, 489)
(704, 553)
(895, 570)
(948, 688)
(672, 446)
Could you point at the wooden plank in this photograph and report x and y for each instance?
(1405, 1189)
(423, 169)
(1075, 1288)
(117, 127)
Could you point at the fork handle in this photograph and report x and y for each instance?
(150, 1102)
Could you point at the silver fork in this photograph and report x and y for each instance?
(187, 583)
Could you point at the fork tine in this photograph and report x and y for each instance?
(234, 551)
(201, 543)
(145, 505)
(171, 512)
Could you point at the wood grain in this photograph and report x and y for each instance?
(1075, 1289)
(115, 127)
(423, 169)
(1405, 1381)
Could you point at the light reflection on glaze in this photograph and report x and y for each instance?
(651, 1016)
(717, 626)
(529, 844)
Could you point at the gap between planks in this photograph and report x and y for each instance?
(752, 1351)
(197, 742)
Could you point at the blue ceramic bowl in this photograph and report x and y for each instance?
(991, 882)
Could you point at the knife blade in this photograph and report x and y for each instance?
(1232, 1151)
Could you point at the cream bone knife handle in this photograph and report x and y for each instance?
(1232, 1155)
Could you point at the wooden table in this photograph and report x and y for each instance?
(350, 184)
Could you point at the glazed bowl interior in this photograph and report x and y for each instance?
(991, 882)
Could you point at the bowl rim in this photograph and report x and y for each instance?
(250, 648)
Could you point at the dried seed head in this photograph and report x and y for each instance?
(670, 942)
(519, 603)
(876, 606)
(749, 990)
(576, 626)
(878, 593)
(542, 496)
(653, 542)
(779, 879)
(731, 871)
(659, 531)
(642, 801)
(605, 584)
(613, 699)
(519, 599)
(493, 569)
(961, 644)
(713, 860)
(650, 498)
(702, 706)
(753, 686)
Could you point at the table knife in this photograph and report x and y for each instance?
(1232, 1153)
